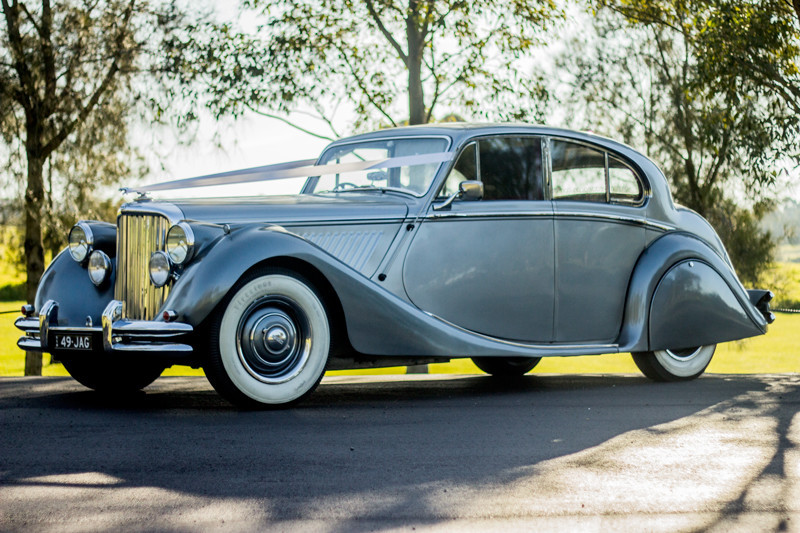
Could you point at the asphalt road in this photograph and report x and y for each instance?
(588, 453)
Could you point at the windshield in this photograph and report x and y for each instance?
(412, 179)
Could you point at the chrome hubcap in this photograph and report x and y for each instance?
(273, 339)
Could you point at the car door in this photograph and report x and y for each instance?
(599, 235)
(487, 266)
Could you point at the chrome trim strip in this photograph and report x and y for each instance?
(555, 214)
(154, 347)
(618, 218)
(27, 323)
(515, 214)
(147, 328)
(170, 211)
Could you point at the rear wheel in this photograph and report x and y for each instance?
(675, 365)
(506, 366)
(102, 374)
(269, 342)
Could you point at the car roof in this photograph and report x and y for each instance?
(460, 131)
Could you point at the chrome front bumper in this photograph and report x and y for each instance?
(117, 334)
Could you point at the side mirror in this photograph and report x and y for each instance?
(469, 190)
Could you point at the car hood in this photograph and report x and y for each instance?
(282, 210)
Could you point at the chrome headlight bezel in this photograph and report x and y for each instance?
(179, 244)
(80, 247)
(160, 268)
(99, 267)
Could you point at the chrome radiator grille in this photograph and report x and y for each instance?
(138, 236)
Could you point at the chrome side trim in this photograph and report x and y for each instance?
(617, 218)
(556, 214)
(515, 214)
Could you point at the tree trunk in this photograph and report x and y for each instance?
(34, 251)
(416, 99)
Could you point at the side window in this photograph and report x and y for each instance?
(464, 169)
(579, 172)
(584, 174)
(511, 168)
(625, 188)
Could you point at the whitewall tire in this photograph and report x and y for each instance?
(675, 365)
(270, 342)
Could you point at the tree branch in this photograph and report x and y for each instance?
(27, 89)
(289, 122)
(389, 37)
(68, 128)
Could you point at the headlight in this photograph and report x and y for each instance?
(159, 268)
(180, 243)
(81, 241)
(99, 267)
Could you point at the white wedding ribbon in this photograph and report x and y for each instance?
(294, 169)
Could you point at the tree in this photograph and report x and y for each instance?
(68, 76)
(71, 77)
(438, 56)
(646, 78)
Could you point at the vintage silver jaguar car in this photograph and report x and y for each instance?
(502, 243)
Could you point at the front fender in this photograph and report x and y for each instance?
(684, 294)
(68, 283)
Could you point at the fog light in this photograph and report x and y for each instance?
(160, 268)
(81, 241)
(99, 267)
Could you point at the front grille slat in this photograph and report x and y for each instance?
(138, 236)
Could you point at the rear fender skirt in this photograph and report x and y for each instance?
(683, 294)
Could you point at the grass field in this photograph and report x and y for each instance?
(776, 352)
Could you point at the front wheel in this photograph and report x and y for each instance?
(674, 365)
(506, 367)
(269, 343)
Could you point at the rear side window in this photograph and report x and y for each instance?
(584, 174)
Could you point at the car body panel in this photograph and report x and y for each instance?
(454, 269)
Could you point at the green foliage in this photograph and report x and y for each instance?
(751, 250)
(678, 79)
(388, 61)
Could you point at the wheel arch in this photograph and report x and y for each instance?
(657, 290)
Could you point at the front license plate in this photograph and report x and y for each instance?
(73, 342)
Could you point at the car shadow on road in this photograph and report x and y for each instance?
(360, 455)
